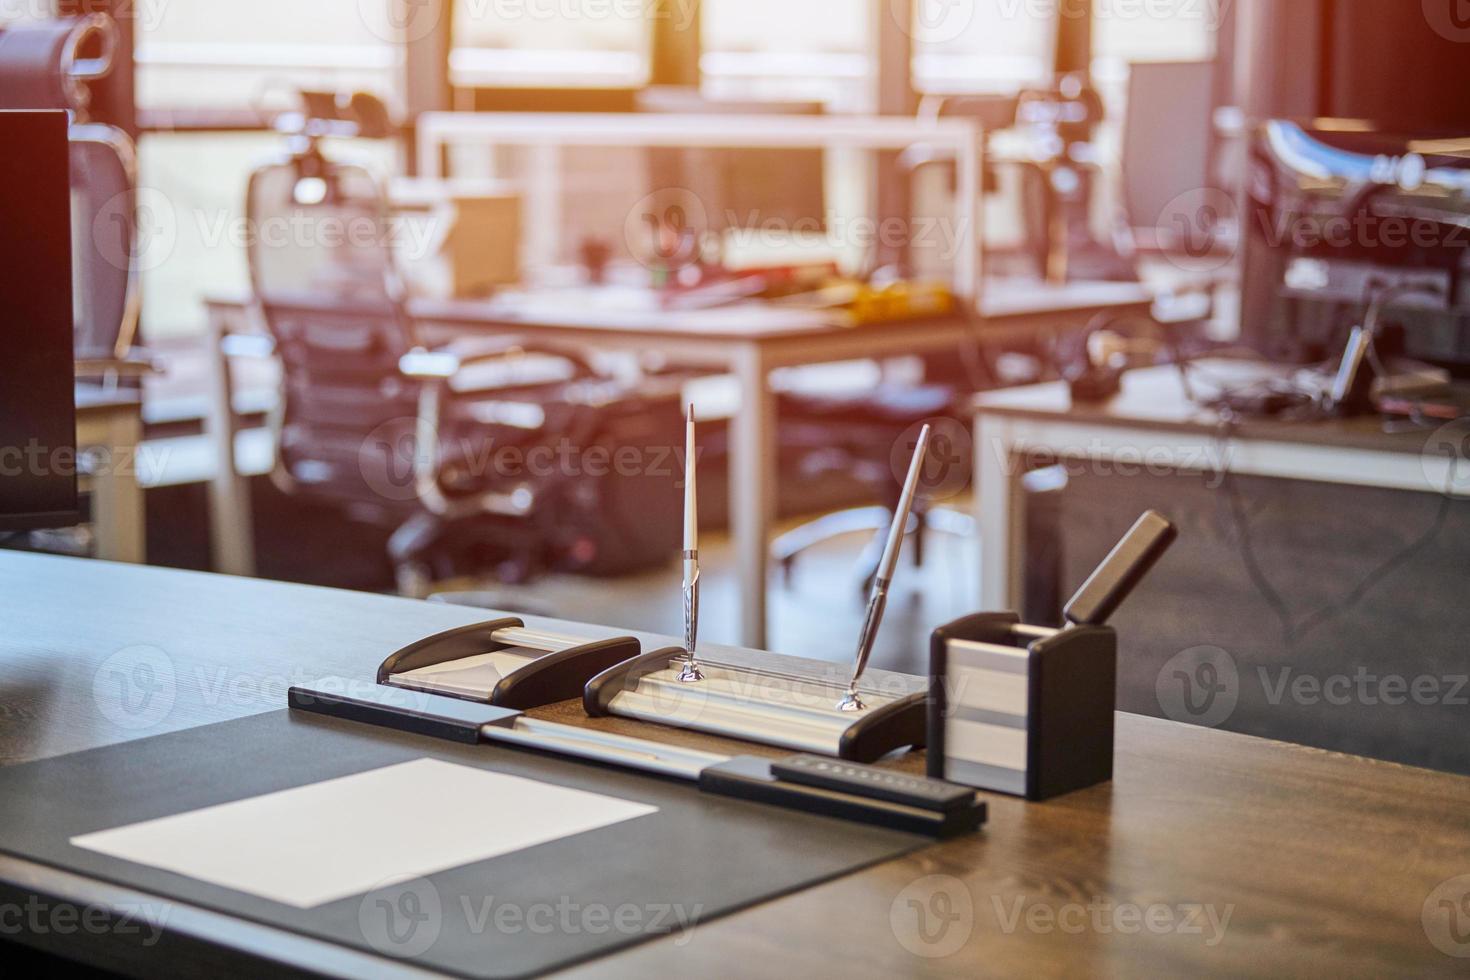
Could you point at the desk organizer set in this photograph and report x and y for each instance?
(1008, 707)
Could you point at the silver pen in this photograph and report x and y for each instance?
(691, 671)
(878, 601)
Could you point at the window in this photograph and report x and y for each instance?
(997, 47)
(811, 50)
(227, 54)
(553, 43)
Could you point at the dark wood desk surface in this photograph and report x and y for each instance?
(1155, 398)
(1209, 854)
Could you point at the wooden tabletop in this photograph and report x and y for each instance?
(1156, 398)
(1210, 853)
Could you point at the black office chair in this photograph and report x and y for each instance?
(374, 423)
(49, 65)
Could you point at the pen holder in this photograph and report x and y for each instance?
(776, 708)
(505, 664)
(1020, 709)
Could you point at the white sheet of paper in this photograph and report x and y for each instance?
(318, 843)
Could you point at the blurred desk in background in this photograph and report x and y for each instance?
(1153, 425)
(748, 340)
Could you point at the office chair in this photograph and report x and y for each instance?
(49, 65)
(392, 433)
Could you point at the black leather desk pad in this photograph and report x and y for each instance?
(699, 856)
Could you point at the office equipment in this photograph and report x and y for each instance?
(878, 601)
(1338, 215)
(921, 807)
(503, 663)
(690, 672)
(1188, 804)
(1379, 554)
(37, 401)
(698, 854)
(1167, 154)
(1028, 710)
(749, 340)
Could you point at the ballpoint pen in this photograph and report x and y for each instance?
(691, 671)
(879, 599)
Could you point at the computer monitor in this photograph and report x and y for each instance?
(38, 485)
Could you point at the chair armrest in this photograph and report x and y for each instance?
(136, 365)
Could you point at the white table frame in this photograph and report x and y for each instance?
(750, 359)
(546, 134)
(1003, 441)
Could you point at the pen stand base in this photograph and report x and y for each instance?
(1020, 709)
(758, 706)
(505, 664)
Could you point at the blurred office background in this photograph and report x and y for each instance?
(1116, 171)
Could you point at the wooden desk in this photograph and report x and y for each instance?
(1311, 863)
(748, 340)
(111, 425)
(1153, 425)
